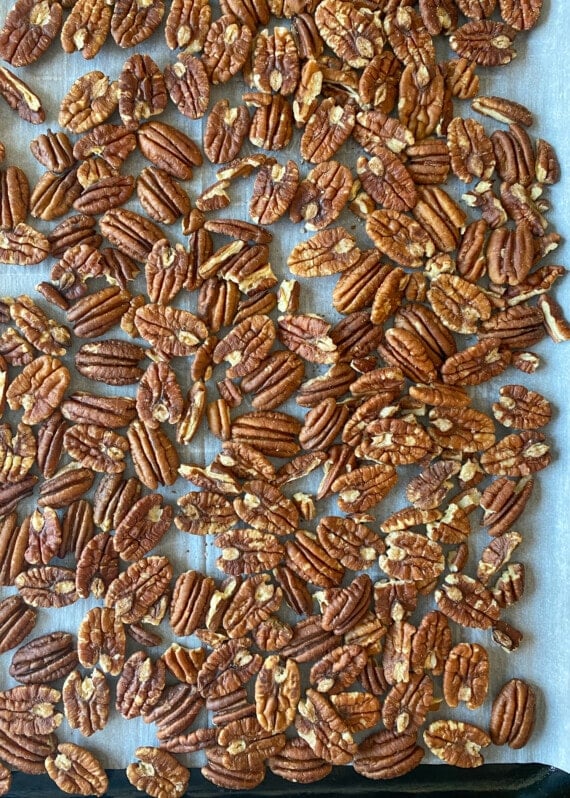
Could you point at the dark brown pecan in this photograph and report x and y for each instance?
(172, 331)
(134, 591)
(388, 754)
(86, 702)
(16, 622)
(354, 544)
(271, 432)
(485, 42)
(275, 379)
(520, 14)
(338, 669)
(29, 29)
(39, 330)
(521, 408)
(133, 21)
(503, 501)
(312, 562)
(512, 715)
(227, 668)
(103, 194)
(191, 595)
(298, 763)
(467, 602)
(104, 411)
(113, 499)
(323, 194)
(20, 97)
(407, 704)
(44, 659)
(132, 234)
(142, 90)
(77, 528)
(264, 507)
(140, 685)
(67, 485)
(476, 364)
(456, 743)
(169, 149)
(101, 641)
(27, 752)
(143, 527)
(95, 447)
(188, 85)
(226, 48)
(111, 361)
(363, 487)
(431, 644)
(176, 708)
(275, 62)
(327, 130)
(226, 129)
(23, 246)
(158, 773)
(78, 229)
(44, 536)
(14, 197)
(96, 313)
(18, 452)
(159, 398)
(154, 457)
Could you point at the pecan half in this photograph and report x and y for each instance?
(512, 714)
(75, 769)
(456, 743)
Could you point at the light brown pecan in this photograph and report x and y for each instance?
(321, 197)
(102, 641)
(132, 234)
(326, 130)
(520, 14)
(47, 586)
(470, 149)
(159, 398)
(431, 644)
(364, 487)
(153, 454)
(67, 485)
(246, 744)
(466, 675)
(135, 590)
(23, 246)
(112, 143)
(328, 252)
(18, 453)
(75, 769)
(158, 773)
(191, 595)
(354, 544)
(89, 101)
(512, 714)
(265, 507)
(226, 48)
(30, 709)
(319, 724)
(140, 685)
(338, 669)
(311, 561)
(387, 754)
(422, 95)
(169, 149)
(385, 178)
(44, 659)
(456, 743)
(521, 408)
(226, 129)
(272, 123)
(254, 601)
(394, 441)
(54, 195)
(517, 455)
(277, 693)
(485, 42)
(428, 161)
(96, 447)
(44, 535)
(354, 35)
(184, 663)
(467, 601)
(133, 21)
(172, 331)
(205, 513)
(187, 24)
(86, 701)
(218, 773)
(407, 704)
(39, 388)
(411, 556)
(29, 29)
(360, 710)
(86, 27)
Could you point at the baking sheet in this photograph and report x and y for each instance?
(538, 79)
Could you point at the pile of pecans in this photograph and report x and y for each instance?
(303, 660)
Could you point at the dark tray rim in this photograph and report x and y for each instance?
(523, 781)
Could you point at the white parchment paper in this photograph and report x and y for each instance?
(538, 78)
